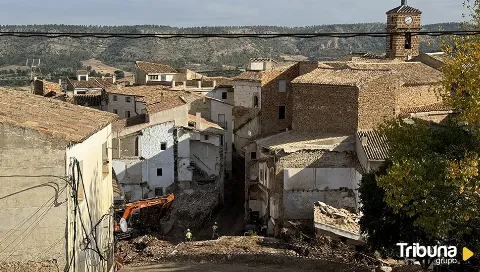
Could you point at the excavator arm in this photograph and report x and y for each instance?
(130, 208)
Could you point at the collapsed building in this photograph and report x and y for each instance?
(163, 144)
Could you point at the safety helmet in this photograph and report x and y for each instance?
(188, 229)
(215, 223)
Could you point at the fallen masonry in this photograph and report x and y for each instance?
(337, 223)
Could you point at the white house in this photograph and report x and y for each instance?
(47, 159)
(144, 145)
(155, 73)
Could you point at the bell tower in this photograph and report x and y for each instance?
(403, 20)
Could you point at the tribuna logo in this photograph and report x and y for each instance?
(418, 251)
(440, 254)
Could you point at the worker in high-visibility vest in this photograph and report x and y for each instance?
(188, 236)
(214, 230)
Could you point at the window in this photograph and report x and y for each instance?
(127, 114)
(281, 112)
(221, 121)
(115, 111)
(206, 137)
(136, 146)
(224, 95)
(282, 85)
(261, 175)
(127, 99)
(253, 155)
(158, 191)
(164, 77)
(153, 77)
(391, 42)
(255, 101)
(163, 146)
(408, 40)
(115, 98)
(105, 162)
(159, 172)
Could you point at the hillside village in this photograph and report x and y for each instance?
(280, 147)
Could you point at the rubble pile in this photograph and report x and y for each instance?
(191, 209)
(45, 266)
(148, 249)
(334, 216)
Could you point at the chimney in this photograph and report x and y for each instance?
(184, 85)
(199, 84)
(114, 78)
(60, 82)
(173, 83)
(214, 84)
(404, 2)
(364, 140)
(198, 121)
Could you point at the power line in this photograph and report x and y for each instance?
(27, 34)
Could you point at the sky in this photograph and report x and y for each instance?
(186, 13)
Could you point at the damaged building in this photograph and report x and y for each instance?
(164, 144)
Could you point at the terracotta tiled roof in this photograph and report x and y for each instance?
(150, 67)
(405, 9)
(156, 98)
(426, 108)
(249, 76)
(374, 144)
(345, 77)
(221, 81)
(57, 118)
(206, 124)
(51, 87)
(412, 73)
(339, 219)
(105, 82)
(87, 100)
(82, 72)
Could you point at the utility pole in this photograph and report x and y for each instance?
(34, 71)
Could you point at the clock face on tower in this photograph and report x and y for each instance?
(408, 20)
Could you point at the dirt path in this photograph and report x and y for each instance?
(209, 267)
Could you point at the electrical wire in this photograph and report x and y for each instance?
(29, 34)
(34, 223)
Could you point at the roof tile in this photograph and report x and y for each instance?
(374, 144)
(151, 67)
(48, 115)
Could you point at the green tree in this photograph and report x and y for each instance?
(433, 178)
(384, 228)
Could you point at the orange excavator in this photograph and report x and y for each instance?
(122, 228)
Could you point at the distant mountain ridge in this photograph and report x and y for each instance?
(64, 55)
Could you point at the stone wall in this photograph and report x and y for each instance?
(272, 98)
(245, 92)
(325, 109)
(416, 96)
(376, 102)
(33, 191)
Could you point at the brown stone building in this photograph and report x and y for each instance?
(330, 111)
